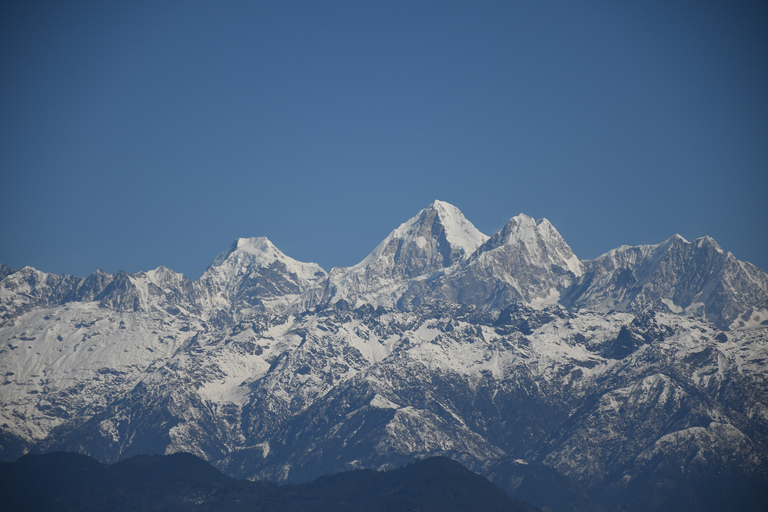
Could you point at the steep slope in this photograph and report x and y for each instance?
(67, 363)
(436, 238)
(253, 277)
(527, 261)
(695, 278)
(628, 375)
(28, 288)
(74, 348)
(23, 290)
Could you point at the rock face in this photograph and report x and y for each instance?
(696, 278)
(622, 381)
(527, 261)
(437, 238)
(251, 278)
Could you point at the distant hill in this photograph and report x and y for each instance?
(182, 482)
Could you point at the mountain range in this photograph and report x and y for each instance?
(634, 381)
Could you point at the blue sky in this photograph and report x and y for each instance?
(138, 134)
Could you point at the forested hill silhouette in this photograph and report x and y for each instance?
(183, 482)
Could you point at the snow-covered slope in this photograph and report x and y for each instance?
(646, 365)
(436, 238)
(695, 278)
(527, 261)
(253, 277)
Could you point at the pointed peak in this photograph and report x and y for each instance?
(538, 238)
(258, 244)
(523, 227)
(258, 247)
(436, 237)
(699, 243)
(161, 273)
(437, 203)
(446, 212)
(442, 206)
(523, 217)
(707, 241)
(675, 239)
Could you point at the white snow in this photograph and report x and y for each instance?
(672, 306)
(541, 302)
(459, 232)
(542, 242)
(92, 355)
(259, 252)
(757, 319)
(380, 402)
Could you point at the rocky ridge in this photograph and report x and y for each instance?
(645, 365)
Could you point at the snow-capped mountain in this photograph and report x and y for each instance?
(527, 261)
(696, 278)
(437, 238)
(253, 277)
(636, 372)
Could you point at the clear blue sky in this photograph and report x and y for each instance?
(138, 134)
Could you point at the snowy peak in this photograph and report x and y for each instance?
(252, 277)
(459, 232)
(520, 228)
(435, 255)
(262, 251)
(708, 243)
(23, 289)
(258, 253)
(527, 261)
(437, 237)
(693, 278)
(443, 341)
(539, 242)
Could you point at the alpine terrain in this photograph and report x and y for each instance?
(636, 381)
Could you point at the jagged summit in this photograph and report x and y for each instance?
(260, 247)
(540, 242)
(253, 276)
(526, 261)
(436, 237)
(693, 278)
(708, 241)
(260, 252)
(518, 228)
(612, 371)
